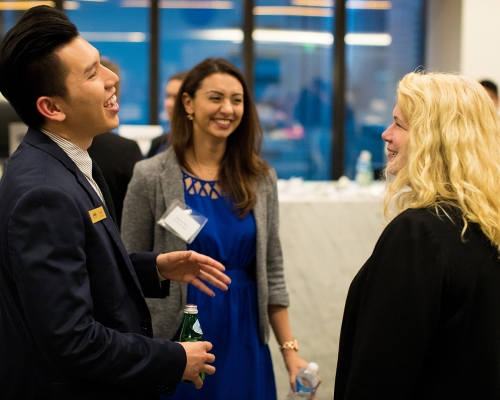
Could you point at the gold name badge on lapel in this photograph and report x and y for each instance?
(97, 214)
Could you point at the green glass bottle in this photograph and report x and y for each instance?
(191, 330)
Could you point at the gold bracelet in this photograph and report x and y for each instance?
(291, 345)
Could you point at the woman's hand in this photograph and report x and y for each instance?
(294, 364)
(278, 317)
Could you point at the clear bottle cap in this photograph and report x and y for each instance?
(191, 309)
(313, 367)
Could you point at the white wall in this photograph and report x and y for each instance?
(480, 53)
(463, 36)
(443, 35)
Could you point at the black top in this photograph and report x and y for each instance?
(422, 317)
(116, 156)
(7, 116)
(158, 144)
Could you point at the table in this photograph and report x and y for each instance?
(327, 233)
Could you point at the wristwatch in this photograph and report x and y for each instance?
(291, 345)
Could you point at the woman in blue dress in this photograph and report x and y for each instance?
(213, 168)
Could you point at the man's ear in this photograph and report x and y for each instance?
(49, 108)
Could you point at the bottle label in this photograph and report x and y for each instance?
(304, 389)
(197, 327)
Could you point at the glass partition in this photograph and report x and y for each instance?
(294, 72)
(293, 86)
(119, 29)
(293, 46)
(384, 41)
(191, 31)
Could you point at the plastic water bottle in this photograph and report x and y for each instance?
(307, 381)
(364, 169)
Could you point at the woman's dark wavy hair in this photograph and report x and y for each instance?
(29, 67)
(241, 165)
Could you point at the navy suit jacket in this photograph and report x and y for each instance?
(73, 320)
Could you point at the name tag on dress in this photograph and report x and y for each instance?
(182, 223)
(97, 214)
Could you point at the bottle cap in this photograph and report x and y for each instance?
(365, 155)
(191, 309)
(313, 367)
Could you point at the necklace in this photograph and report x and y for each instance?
(210, 170)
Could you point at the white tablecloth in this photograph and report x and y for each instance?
(327, 234)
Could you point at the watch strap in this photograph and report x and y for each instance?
(290, 345)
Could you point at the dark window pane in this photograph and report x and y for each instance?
(293, 87)
(393, 48)
(189, 35)
(120, 33)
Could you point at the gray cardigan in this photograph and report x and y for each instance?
(155, 184)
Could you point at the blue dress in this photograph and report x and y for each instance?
(230, 319)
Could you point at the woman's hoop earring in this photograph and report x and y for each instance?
(189, 117)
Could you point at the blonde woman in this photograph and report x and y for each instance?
(422, 317)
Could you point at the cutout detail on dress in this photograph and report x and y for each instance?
(200, 187)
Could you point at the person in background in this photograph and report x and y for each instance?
(74, 323)
(115, 155)
(422, 316)
(7, 116)
(160, 143)
(492, 90)
(213, 167)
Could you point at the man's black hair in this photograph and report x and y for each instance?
(29, 67)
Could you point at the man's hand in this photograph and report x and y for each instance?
(193, 268)
(197, 359)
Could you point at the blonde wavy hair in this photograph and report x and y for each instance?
(452, 152)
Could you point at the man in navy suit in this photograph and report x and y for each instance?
(73, 320)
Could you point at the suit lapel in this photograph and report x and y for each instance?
(44, 143)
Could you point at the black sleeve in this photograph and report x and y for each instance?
(391, 312)
(155, 145)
